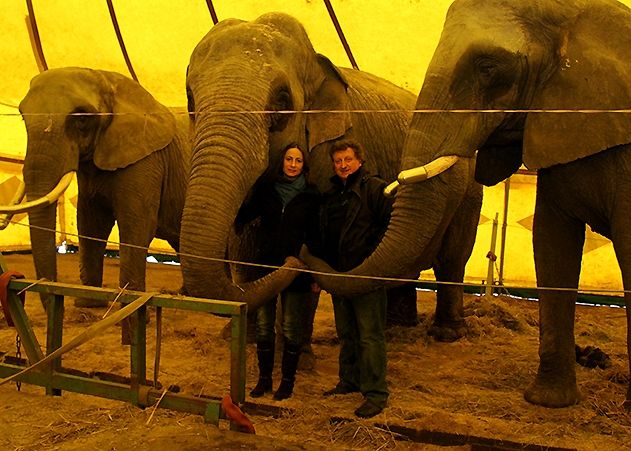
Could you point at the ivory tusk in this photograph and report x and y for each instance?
(17, 198)
(431, 169)
(48, 199)
(391, 189)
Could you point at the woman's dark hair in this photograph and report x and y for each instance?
(344, 144)
(305, 159)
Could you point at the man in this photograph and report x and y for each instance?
(354, 216)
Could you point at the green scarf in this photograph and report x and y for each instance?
(288, 188)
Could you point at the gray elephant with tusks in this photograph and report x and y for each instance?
(131, 156)
(553, 73)
(239, 71)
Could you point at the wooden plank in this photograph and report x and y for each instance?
(109, 294)
(138, 353)
(237, 357)
(23, 326)
(54, 335)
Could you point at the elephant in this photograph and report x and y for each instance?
(252, 88)
(537, 82)
(131, 155)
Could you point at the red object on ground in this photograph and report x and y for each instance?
(233, 413)
(5, 278)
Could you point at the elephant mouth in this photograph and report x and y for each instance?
(16, 206)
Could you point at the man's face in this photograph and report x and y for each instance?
(345, 163)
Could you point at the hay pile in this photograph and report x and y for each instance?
(470, 388)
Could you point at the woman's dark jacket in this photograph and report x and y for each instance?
(353, 219)
(285, 229)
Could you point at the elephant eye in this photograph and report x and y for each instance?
(487, 70)
(496, 76)
(280, 102)
(81, 121)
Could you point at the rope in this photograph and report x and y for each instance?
(360, 111)
(321, 273)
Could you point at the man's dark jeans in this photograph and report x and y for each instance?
(360, 322)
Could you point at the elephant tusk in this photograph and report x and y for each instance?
(391, 189)
(431, 169)
(48, 199)
(17, 198)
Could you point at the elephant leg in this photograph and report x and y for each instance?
(623, 254)
(558, 244)
(402, 309)
(622, 246)
(94, 226)
(449, 266)
(136, 233)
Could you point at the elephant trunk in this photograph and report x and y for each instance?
(413, 227)
(429, 190)
(230, 153)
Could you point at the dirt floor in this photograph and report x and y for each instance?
(467, 394)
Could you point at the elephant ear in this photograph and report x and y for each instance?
(331, 95)
(594, 72)
(501, 155)
(139, 126)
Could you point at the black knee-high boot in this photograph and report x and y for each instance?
(291, 354)
(265, 355)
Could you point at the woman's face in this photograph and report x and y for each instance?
(293, 162)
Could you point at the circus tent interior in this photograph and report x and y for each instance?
(151, 41)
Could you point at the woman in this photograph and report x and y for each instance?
(288, 210)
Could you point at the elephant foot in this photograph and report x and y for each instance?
(90, 303)
(559, 394)
(448, 332)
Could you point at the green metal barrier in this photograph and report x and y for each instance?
(55, 378)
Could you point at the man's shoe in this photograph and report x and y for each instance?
(370, 408)
(340, 389)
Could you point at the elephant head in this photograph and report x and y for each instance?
(247, 83)
(523, 56)
(76, 117)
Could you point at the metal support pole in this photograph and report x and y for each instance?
(491, 256)
(500, 277)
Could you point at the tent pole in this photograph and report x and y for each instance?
(503, 238)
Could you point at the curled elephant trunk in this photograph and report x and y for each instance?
(414, 235)
(230, 153)
(206, 226)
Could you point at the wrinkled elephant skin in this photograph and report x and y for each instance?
(238, 71)
(542, 55)
(131, 155)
